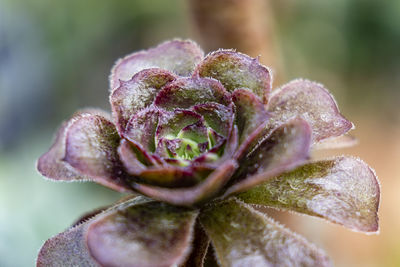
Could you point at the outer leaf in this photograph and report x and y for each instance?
(139, 92)
(235, 70)
(91, 147)
(55, 165)
(342, 190)
(193, 195)
(250, 112)
(313, 103)
(284, 149)
(242, 236)
(177, 56)
(69, 248)
(148, 234)
(66, 249)
(187, 92)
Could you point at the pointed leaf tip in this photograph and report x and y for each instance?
(342, 190)
(313, 103)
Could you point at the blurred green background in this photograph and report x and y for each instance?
(55, 58)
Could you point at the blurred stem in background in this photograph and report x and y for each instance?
(244, 25)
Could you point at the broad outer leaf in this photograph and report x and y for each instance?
(52, 163)
(177, 56)
(192, 195)
(69, 248)
(242, 236)
(187, 92)
(285, 148)
(91, 147)
(139, 92)
(342, 190)
(66, 249)
(250, 112)
(148, 234)
(235, 70)
(313, 103)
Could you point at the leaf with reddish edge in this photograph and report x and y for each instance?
(218, 117)
(178, 56)
(235, 70)
(137, 93)
(142, 127)
(242, 236)
(130, 159)
(171, 176)
(221, 152)
(285, 148)
(172, 123)
(250, 113)
(196, 131)
(148, 234)
(187, 92)
(195, 195)
(91, 144)
(313, 103)
(52, 163)
(342, 190)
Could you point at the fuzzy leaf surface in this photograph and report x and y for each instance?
(235, 70)
(342, 190)
(242, 236)
(284, 149)
(313, 103)
(147, 234)
(179, 57)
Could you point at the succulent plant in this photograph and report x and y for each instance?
(198, 143)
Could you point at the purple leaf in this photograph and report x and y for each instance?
(187, 92)
(98, 161)
(313, 103)
(172, 123)
(177, 56)
(342, 190)
(235, 70)
(142, 127)
(145, 234)
(250, 113)
(171, 176)
(133, 160)
(217, 116)
(192, 195)
(284, 149)
(242, 236)
(134, 95)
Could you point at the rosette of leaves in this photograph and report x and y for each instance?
(199, 141)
